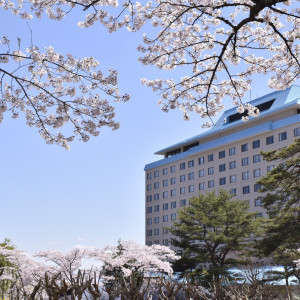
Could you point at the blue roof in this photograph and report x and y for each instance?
(282, 98)
(267, 126)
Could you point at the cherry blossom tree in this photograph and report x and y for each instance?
(53, 273)
(220, 45)
(52, 89)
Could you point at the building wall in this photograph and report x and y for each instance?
(162, 202)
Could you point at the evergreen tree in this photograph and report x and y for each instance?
(282, 201)
(213, 229)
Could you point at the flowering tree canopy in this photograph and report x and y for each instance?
(52, 271)
(135, 257)
(52, 89)
(220, 44)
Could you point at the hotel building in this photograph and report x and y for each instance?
(225, 156)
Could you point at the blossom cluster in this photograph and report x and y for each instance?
(52, 89)
(26, 272)
(220, 45)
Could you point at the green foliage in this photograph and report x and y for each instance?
(4, 284)
(282, 201)
(214, 229)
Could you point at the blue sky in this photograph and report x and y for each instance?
(93, 194)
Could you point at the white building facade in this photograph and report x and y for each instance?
(225, 157)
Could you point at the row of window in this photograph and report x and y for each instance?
(231, 151)
(165, 218)
(210, 171)
(222, 167)
(156, 231)
(165, 242)
(210, 184)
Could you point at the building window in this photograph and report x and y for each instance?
(269, 140)
(165, 171)
(149, 232)
(165, 195)
(297, 132)
(270, 168)
(282, 136)
(182, 166)
(156, 220)
(211, 184)
(173, 180)
(172, 169)
(166, 242)
(165, 218)
(165, 182)
(149, 221)
(245, 175)
(173, 193)
(245, 161)
(156, 196)
(256, 144)
(232, 165)
(173, 204)
(149, 175)
(149, 198)
(258, 215)
(182, 178)
(256, 158)
(210, 157)
(165, 231)
(156, 174)
(210, 170)
(222, 154)
(201, 173)
(191, 188)
(222, 180)
(156, 208)
(149, 243)
(149, 210)
(156, 185)
(231, 151)
(191, 176)
(201, 186)
(257, 202)
(156, 231)
(201, 160)
(182, 190)
(256, 173)
(246, 189)
(165, 206)
(232, 178)
(173, 217)
(257, 187)
(149, 187)
(222, 168)
(190, 163)
(232, 192)
(244, 147)
(182, 202)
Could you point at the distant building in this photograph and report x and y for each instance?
(226, 156)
